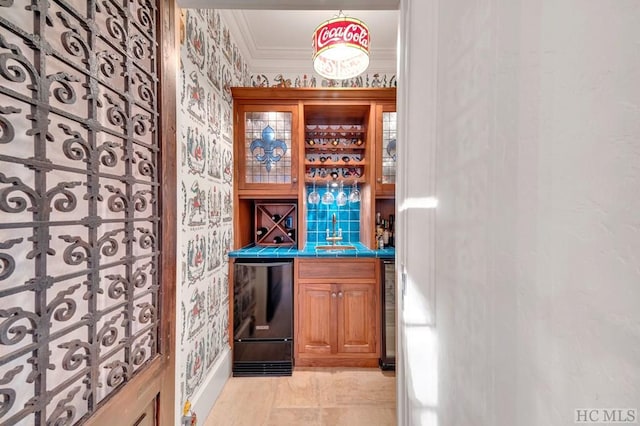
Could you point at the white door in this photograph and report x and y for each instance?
(416, 364)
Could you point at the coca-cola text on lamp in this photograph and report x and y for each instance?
(341, 48)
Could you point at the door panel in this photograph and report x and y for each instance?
(356, 318)
(314, 328)
(386, 140)
(266, 149)
(87, 257)
(148, 417)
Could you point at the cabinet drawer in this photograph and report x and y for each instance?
(333, 269)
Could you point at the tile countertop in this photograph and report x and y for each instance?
(310, 251)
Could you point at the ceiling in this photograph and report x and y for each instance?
(276, 34)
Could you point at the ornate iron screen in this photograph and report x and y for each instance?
(79, 246)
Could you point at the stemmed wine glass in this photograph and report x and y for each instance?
(327, 197)
(341, 198)
(314, 197)
(354, 196)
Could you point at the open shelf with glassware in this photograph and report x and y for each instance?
(337, 160)
(275, 224)
(335, 143)
(326, 164)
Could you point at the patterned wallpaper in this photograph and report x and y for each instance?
(210, 64)
(311, 80)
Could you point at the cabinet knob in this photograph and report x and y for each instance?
(379, 180)
(339, 294)
(294, 179)
(333, 294)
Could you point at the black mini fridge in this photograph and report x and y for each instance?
(388, 315)
(263, 317)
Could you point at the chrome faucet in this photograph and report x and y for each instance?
(335, 236)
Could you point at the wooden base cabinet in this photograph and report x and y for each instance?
(337, 313)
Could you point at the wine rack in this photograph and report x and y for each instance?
(334, 152)
(276, 224)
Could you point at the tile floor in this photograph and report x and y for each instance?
(310, 397)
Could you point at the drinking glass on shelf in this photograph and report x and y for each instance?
(354, 196)
(327, 197)
(314, 197)
(341, 198)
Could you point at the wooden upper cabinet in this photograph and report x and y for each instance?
(285, 136)
(266, 149)
(386, 145)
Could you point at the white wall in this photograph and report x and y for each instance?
(537, 230)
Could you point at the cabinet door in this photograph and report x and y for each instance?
(386, 141)
(316, 318)
(357, 318)
(266, 149)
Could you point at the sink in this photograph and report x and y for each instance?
(336, 247)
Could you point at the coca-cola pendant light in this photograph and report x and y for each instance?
(341, 48)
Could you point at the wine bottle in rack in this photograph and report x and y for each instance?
(277, 239)
(288, 222)
(276, 218)
(261, 232)
(291, 233)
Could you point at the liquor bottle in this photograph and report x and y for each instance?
(379, 229)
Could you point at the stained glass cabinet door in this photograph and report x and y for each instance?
(266, 149)
(386, 137)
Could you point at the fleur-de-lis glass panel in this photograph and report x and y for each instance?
(268, 147)
(389, 147)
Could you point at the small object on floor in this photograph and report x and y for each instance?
(188, 419)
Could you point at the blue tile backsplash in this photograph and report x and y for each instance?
(319, 218)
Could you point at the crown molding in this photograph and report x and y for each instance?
(233, 19)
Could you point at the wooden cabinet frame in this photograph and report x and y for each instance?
(341, 102)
